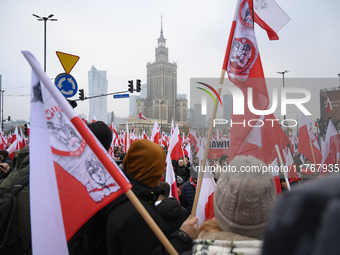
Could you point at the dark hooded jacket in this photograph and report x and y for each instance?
(128, 233)
(173, 214)
(22, 198)
(9, 161)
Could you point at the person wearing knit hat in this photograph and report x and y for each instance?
(127, 232)
(243, 200)
(145, 162)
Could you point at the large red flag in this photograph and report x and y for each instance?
(308, 145)
(72, 176)
(243, 64)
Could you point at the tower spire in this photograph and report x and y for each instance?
(161, 24)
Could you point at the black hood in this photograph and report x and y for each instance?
(141, 190)
(169, 208)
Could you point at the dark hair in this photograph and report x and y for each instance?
(102, 132)
(4, 153)
(166, 187)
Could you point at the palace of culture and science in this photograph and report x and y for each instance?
(161, 102)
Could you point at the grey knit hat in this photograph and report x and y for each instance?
(243, 200)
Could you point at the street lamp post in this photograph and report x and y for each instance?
(283, 80)
(45, 19)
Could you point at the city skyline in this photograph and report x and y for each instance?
(116, 36)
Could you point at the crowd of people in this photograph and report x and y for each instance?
(249, 216)
(323, 125)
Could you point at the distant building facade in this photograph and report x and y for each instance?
(161, 102)
(98, 85)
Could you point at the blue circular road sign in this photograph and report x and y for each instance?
(66, 84)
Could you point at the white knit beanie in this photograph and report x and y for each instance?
(243, 200)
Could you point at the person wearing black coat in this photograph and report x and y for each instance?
(189, 190)
(126, 230)
(6, 159)
(172, 212)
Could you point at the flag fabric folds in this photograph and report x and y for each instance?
(308, 145)
(72, 176)
(329, 105)
(205, 204)
(243, 65)
(141, 116)
(269, 15)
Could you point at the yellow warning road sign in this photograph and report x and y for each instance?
(68, 61)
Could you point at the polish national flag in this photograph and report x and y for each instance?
(269, 15)
(94, 118)
(144, 135)
(141, 116)
(170, 178)
(329, 105)
(306, 138)
(205, 204)
(155, 136)
(330, 147)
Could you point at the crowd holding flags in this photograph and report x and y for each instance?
(71, 151)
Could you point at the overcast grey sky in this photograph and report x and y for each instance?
(120, 37)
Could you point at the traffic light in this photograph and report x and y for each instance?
(25, 129)
(81, 94)
(138, 89)
(130, 86)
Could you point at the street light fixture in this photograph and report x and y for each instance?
(45, 19)
(283, 80)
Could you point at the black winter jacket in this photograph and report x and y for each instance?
(189, 192)
(128, 233)
(173, 214)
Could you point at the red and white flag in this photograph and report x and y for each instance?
(174, 142)
(243, 64)
(76, 177)
(308, 144)
(329, 105)
(330, 147)
(156, 134)
(269, 15)
(141, 116)
(205, 204)
(94, 118)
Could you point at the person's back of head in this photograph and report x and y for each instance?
(166, 187)
(4, 153)
(243, 199)
(102, 132)
(145, 161)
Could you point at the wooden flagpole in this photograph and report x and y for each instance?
(206, 150)
(98, 151)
